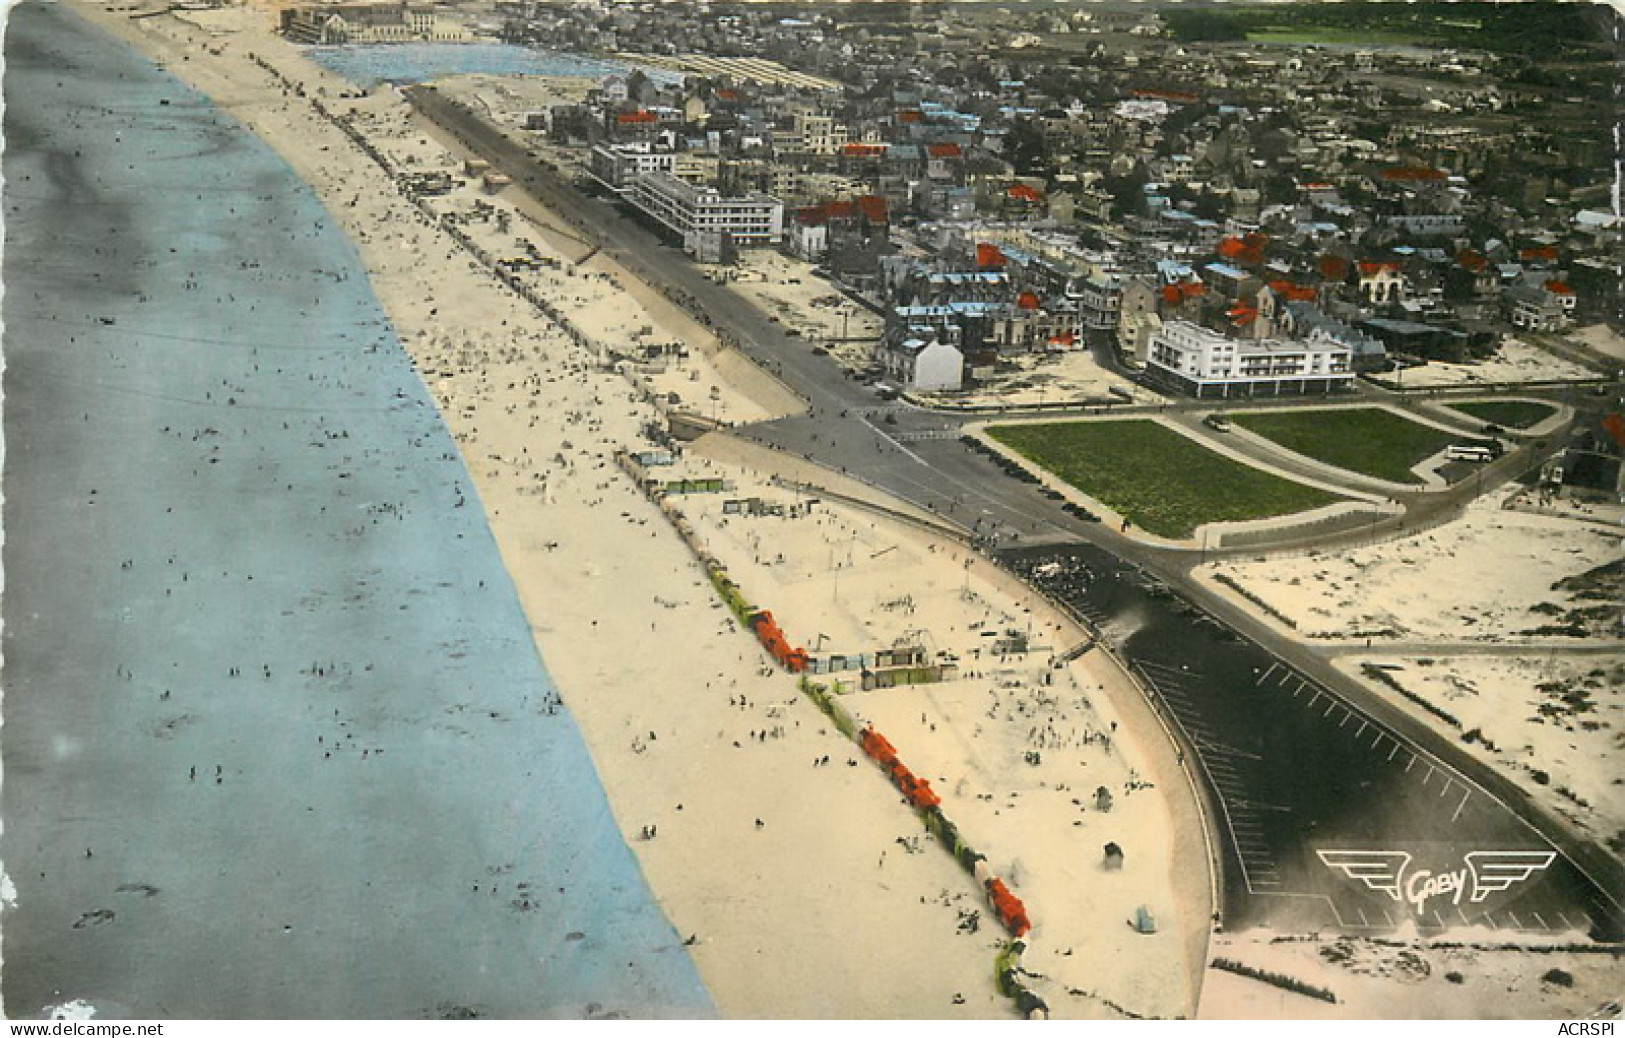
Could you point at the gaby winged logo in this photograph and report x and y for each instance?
(1485, 872)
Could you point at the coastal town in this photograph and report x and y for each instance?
(1120, 499)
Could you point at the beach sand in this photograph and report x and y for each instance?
(1488, 576)
(1514, 361)
(1015, 742)
(1470, 976)
(796, 917)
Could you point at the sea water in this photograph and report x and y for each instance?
(277, 740)
(367, 65)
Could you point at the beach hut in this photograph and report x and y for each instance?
(877, 746)
(1012, 913)
(1113, 860)
(916, 789)
(1031, 1006)
(1144, 921)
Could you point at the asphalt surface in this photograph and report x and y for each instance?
(1304, 783)
(1330, 787)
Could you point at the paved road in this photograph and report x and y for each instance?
(915, 455)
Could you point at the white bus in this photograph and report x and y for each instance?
(1470, 452)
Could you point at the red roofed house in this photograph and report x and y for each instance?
(850, 236)
(1471, 277)
(1292, 292)
(639, 124)
(1565, 295)
(1539, 308)
(872, 208)
(1382, 282)
(1024, 193)
(1182, 292)
(1332, 267)
(943, 161)
(1242, 316)
(861, 158)
(1245, 251)
(988, 256)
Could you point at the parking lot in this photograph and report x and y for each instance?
(1327, 819)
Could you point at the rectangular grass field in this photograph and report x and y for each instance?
(1163, 482)
(1367, 440)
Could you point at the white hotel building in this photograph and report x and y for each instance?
(1206, 364)
(616, 166)
(701, 215)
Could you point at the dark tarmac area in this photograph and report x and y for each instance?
(1328, 820)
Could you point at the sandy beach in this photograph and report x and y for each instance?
(1469, 976)
(799, 889)
(1490, 576)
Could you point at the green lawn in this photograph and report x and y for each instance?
(1162, 481)
(1509, 414)
(1367, 440)
(1310, 35)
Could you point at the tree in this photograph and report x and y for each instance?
(1128, 192)
(1198, 25)
(1280, 190)
(1025, 149)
